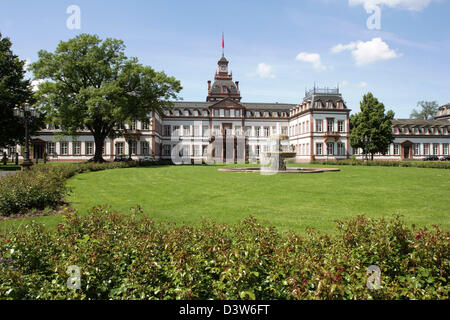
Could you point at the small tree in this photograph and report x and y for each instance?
(428, 110)
(93, 85)
(14, 90)
(372, 128)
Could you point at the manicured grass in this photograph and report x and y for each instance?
(186, 194)
(10, 166)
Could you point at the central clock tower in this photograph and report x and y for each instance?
(223, 86)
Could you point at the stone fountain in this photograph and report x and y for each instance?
(279, 144)
(279, 152)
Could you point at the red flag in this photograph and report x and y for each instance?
(223, 41)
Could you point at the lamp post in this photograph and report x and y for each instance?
(26, 114)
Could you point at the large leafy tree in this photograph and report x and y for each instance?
(372, 127)
(428, 109)
(91, 84)
(14, 90)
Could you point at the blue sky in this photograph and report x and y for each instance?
(276, 48)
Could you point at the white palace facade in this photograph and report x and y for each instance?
(318, 128)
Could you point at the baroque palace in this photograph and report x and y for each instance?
(318, 127)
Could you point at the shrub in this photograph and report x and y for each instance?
(132, 257)
(44, 185)
(417, 164)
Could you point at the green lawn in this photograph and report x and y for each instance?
(186, 194)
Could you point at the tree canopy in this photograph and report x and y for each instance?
(428, 110)
(372, 127)
(14, 90)
(91, 84)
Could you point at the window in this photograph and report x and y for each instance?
(330, 148)
(319, 125)
(426, 148)
(341, 126)
(133, 125)
(76, 148)
(197, 151)
(396, 149)
(216, 130)
(166, 150)
(227, 113)
(238, 113)
(196, 131)
(145, 125)
(176, 130)
(89, 148)
(435, 149)
(145, 148)
(186, 151)
(119, 148)
(257, 131)
(167, 130)
(266, 131)
(341, 149)
(248, 131)
(50, 148)
(330, 124)
(445, 148)
(64, 148)
(186, 130)
(284, 130)
(416, 149)
(319, 148)
(133, 146)
(258, 149)
(205, 131)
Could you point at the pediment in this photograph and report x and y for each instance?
(227, 103)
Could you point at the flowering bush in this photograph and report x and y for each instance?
(44, 185)
(131, 257)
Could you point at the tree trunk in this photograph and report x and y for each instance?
(99, 141)
(129, 148)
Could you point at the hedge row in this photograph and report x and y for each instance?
(417, 164)
(131, 257)
(44, 185)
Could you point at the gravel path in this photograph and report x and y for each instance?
(7, 173)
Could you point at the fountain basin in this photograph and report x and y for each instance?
(288, 170)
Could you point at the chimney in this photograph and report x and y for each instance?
(209, 85)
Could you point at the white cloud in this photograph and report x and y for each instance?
(362, 84)
(412, 5)
(264, 71)
(343, 83)
(341, 47)
(368, 52)
(313, 58)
